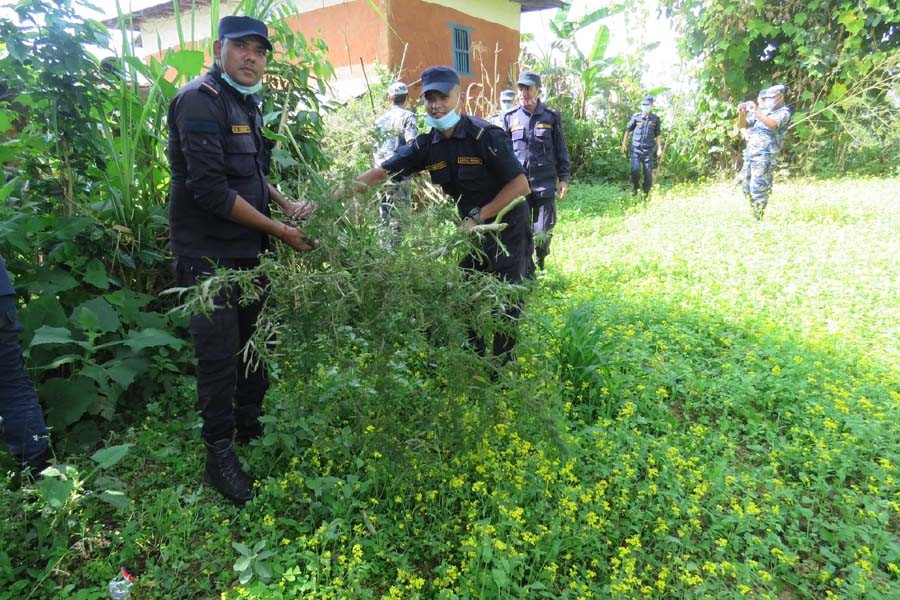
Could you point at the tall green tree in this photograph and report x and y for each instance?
(839, 57)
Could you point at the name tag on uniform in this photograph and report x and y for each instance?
(468, 160)
(544, 126)
(639, 123)
(516, 128)
(436, 166)
(240, 129)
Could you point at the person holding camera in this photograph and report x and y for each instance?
(766, 125)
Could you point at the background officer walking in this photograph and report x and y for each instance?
(219, 217)
(473, 163)
(507, 103)
(766, 125)
(644, 144)
(394, 128)
(539, 144)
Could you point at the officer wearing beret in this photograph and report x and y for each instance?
(538, 141)
(644, 144)
(21, 420)
(473, 162)
(219, 218)
(507, 103)
(766, 125)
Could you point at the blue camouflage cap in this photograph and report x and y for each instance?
(507, 95)
(441, 79)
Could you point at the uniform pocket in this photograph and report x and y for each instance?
(240, 155)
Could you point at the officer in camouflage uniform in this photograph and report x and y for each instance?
(507, 103)
(537, 137)
(766, 125)
(395, 127)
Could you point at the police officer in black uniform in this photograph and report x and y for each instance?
(219, 217)
(644, 144)
(539, 144)
(473, 162)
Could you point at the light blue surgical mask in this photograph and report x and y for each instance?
(245, 90)
(645, 108)
(446, 122)
(506, 106)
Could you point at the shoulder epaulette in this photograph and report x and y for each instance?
(479, 134)
(209, 86)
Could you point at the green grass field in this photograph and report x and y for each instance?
(703, 406)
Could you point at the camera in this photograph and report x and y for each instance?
(745, 106)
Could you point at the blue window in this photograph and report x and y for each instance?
(462, 49)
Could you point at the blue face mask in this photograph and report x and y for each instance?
(241, 88)
(645, 108)
(444, 123)
(506, 106)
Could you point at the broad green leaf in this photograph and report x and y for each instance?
(107, 457)
(601, 41)
(262, 570)
(51, 335)
(241, 548)
(51, 281)
(242, 563)
(55, 491)
(126, 370)
(115, 498)
(67, 400)
(186, 62)
(148, 338)
(96, 315)
(45, 310)
(96, 275)
(129, 303)
(838, 91)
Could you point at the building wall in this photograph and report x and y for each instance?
(358, 39)
(425, 25)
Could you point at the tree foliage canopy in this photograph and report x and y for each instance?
(840, 59)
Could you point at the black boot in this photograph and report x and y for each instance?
(224, 472)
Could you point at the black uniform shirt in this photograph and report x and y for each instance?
(646, 130)
(540, 146)
(216, 151)
(472, 165)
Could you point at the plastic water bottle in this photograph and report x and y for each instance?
(120, 587)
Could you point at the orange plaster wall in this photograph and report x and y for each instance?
(353, 31)
(426, 28)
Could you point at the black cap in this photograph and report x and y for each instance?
(648, 99)
(441, 79)
(529, 78)
(233, 28)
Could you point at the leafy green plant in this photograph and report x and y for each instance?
(253, 561)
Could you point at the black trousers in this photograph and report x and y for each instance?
(543, 219)
(514, 266)
(228, 393)
(642, 162)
